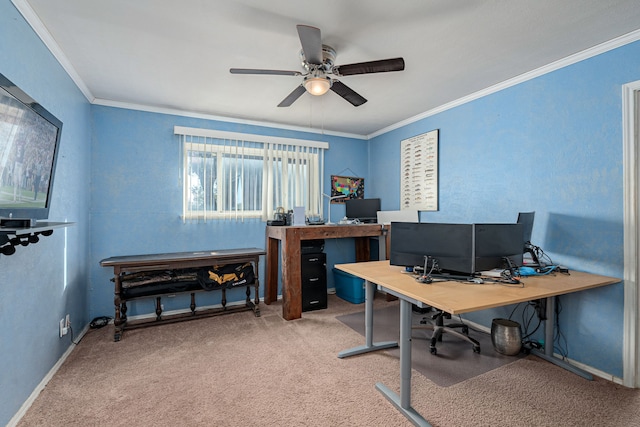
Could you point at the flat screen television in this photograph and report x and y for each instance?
(494, 243)
(29, 145)
(449, 245)
(365, 210)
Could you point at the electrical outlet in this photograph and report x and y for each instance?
(63, 329)
(65, 323)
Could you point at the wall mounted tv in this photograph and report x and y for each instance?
(29, 144)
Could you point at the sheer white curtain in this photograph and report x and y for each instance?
(229, 175)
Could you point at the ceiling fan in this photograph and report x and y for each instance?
(318, 61)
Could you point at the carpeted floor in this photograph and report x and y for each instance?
(455, 360)
(240, 370)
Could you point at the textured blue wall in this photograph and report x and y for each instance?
(43, 282)
(552, 145)
(136, 199)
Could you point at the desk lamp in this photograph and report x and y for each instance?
(330, 199)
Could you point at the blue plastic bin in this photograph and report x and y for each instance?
(348, 287)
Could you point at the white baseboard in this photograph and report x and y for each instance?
(590, 369)
(34, 394)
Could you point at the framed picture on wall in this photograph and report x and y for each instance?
(419, 172)
(349, 186)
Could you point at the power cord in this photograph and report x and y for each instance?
(96, 323)
(559, 341)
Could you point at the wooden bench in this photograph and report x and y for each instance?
(157, 275)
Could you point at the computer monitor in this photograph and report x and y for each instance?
(405, 215)
(450, 246)
(526, 219)
(365, 210)
(495, 243)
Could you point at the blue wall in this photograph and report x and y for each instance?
(552, 145)
(43, 282)
(137, 194)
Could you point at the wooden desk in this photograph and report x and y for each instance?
(178, 262)
(290, 238)
(455, 298)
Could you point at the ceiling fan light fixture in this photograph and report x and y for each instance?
(317, 85)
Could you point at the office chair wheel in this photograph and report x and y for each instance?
(476, 349)
(433, 350)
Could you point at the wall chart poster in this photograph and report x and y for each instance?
(350, 186)
(419, 172)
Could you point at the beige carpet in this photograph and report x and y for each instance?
(239, 370)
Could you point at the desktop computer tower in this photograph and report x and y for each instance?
(314, 281)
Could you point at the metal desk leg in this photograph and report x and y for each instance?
(548, 343)
(369, 346)
(403, 402)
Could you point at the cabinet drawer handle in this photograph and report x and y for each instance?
(315, 279)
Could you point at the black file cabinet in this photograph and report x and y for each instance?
(314, 281)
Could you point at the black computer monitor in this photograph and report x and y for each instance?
(526, 219)
(365, 210)
(495, 243)
(450, 246)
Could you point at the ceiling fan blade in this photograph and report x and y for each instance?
(269, 72)
(291, 98)
(311, 42)
(347, 93)
(381, 66)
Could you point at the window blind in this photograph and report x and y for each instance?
(229, 175)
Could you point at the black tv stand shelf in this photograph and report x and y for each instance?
(12, 237)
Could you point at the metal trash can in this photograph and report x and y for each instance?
(506, 336)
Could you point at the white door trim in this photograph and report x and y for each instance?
(631, 374)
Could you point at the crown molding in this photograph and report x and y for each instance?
(561, 63)
(191, 114)
(34, 21)
(36, 24)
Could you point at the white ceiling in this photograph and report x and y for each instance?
(175, 55)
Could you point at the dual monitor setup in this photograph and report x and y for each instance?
(461, 251)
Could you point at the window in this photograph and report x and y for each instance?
(228, 175)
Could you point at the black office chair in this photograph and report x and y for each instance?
(436, 324)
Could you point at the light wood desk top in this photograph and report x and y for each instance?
(457, 297)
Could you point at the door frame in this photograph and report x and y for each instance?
(631, 146)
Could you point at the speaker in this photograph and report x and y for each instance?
(314, 281)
